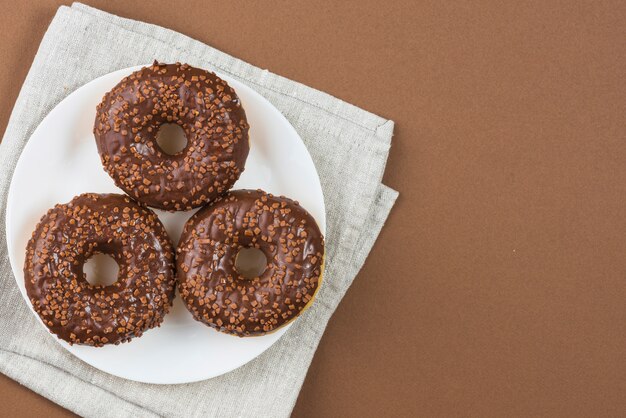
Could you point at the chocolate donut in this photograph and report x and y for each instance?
(217, 295)
(203, 105)
(68, 235)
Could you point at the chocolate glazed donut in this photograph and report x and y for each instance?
(213, 290)
(68, 235)
(203, 105)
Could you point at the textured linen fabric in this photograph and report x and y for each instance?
(349, 147)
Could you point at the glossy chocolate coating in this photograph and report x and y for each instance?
(203, 105)
(213, 290)
(68, 235)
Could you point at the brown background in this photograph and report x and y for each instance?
(498, 286)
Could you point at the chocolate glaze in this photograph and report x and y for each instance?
(207, 279)
(203, 105)
(68, 235)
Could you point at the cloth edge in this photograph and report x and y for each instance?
(379, 213)
(297, 89)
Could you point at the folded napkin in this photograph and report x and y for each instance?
(349, 147)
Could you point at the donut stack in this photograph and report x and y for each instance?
(203, 266)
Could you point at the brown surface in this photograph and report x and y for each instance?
(498, 285)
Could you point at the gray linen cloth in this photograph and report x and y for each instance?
(349, 147)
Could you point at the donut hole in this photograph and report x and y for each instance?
(101, 270)
(171, 138)
(250, 263)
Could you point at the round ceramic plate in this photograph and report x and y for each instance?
(60, 161)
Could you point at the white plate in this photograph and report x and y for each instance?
(61, 161)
